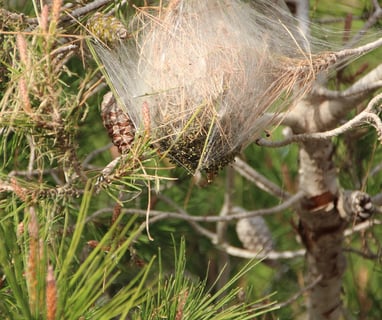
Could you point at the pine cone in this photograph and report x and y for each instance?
(118, 124)
(254, 234)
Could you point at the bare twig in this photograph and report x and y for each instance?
(98, 213)
(352, 91)
(375, 170)
(258, 179)
(95, 153)
(302, 15)
(361, 226)
(298, 294)
(37, 192)
(143, 226)
(367, 116)
(34, 172)
(38, 172)
(261, 212)
(195, 225)
(369, 83)
(373, 19)
(271, 255)
(231, 250)
(64, 49)
(92, 6)
(361, 50)
(361, 118)
(157, 216)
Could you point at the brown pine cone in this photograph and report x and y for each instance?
(118, 124)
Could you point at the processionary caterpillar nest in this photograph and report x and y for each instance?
(206, 72)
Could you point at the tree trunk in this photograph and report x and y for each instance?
(321, 229)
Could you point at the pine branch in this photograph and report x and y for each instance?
(367, 116)
(258, 179)
(287, 204)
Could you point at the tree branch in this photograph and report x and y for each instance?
(95, 153)
(258, 179)
(298, 294)
(359, 51)
(373, 19)
(271, 255)
(359, 89)
(365, 117)
(261, 212)
(361, 227)
(196, 226)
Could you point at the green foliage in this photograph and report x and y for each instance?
(59, 257)
(82, 286)
(178, 296)
(102, 262)
(31, 241)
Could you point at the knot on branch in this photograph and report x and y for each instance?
(355, 205)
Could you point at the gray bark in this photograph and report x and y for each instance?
(326, 210)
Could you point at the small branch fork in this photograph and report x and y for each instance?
(367, 116)
(258, 179)
(213, 219)
(373, 19)
(182, 214)
(370, 82)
